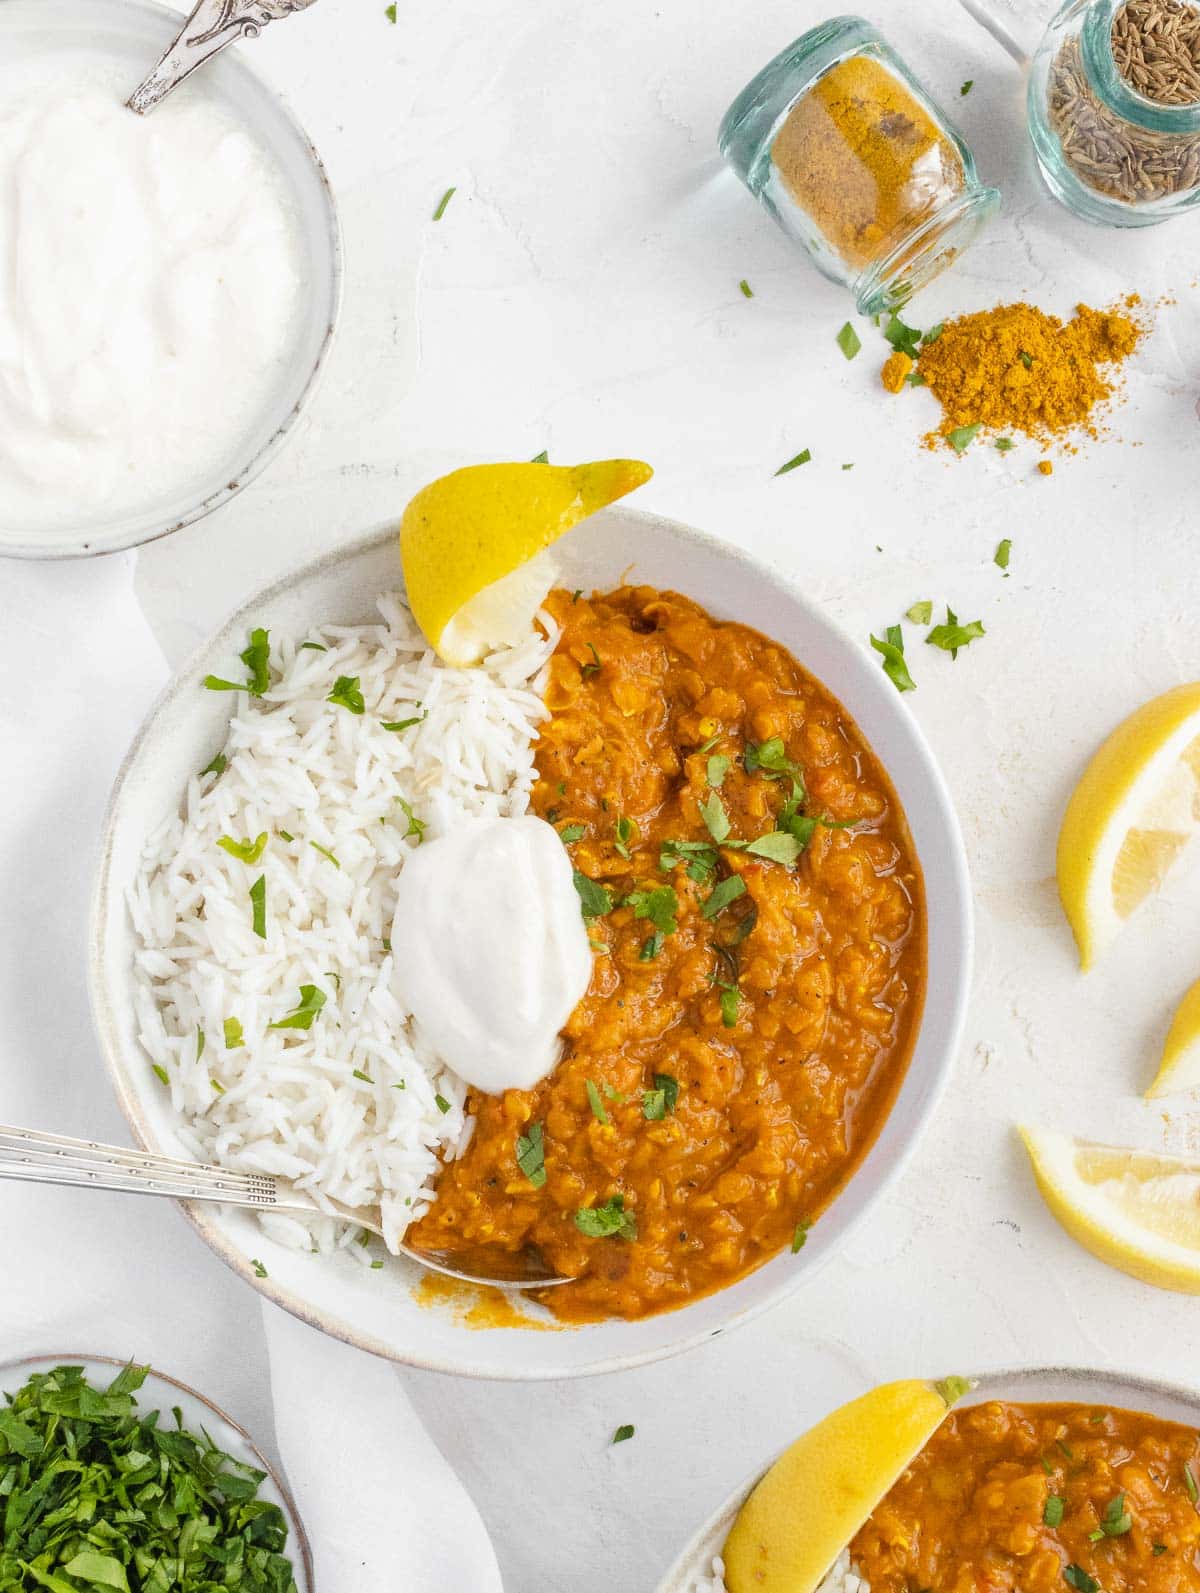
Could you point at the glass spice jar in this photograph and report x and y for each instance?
(842, 145)
(1114, 109)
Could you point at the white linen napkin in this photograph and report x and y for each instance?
(384, 1511)
(88, 1272)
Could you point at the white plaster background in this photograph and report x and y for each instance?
(581, 295)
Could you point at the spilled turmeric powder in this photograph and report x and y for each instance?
(1015, 368)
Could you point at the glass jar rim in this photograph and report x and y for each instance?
(1100, 66)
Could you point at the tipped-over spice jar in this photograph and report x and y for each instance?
(838, 140)
(1114, 109)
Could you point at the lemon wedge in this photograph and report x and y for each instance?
(1132, 813)
(1179, 1068)
(1137, 1210)
(473, 546)
(819, 1492)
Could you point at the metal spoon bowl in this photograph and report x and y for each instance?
(35, 1157)
(211, 26)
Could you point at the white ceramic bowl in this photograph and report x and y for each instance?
(134, 33)
(377, 1310)
(1027, 1386)
(163, 1393)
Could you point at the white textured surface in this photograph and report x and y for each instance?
(581, 295)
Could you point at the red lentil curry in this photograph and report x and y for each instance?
(757, 914)
(1041, 1498)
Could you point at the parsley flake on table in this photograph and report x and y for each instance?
(849, 341)
(257, 659)
(531, 1155)
(920, 613)
(747, 290)
(951, 636)
(311, 1001)
(891, 645)
(346, 694)
(609, 1221)
(443, 202)
(967, 86)
(804, 457)
(1003, 553)
(390, 13)
(624, 1431)
(963, 436)
(904, 339)
(1004, 445)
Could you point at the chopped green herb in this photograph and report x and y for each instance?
(541, 459)
(920, 613)
(802, 458)
(915, 379)
(731, 1000)
(570, 833)
(699, 858)
(259, 1270)
(1189, 1482)
(951, 636)
(658, 905)
(891, 645)
(962, 436)
(933, 334)
(346, 694)
(626, 1430)
(442, 1104)
(626, 831)
(710, 743)
(218, 766)
(905, 339)
(313, 647)
(712, 811)
(233, 1034)
(311, 1001)
(727, 891)
(967, 86)
(747, 290)
(1158, 1548)
(593, 668)
(779, 846)
(1003, 553)
(257, 659)
(770, 759)
(245, 851)
(1046, 1466)
(390, 13)
(443, 202)
(325, 853)
(366, 1079)
(717, 769)
(286, 835)
(406, 724)
(1025, 359)
(531, 1155)
(1116, 1521)
(1052, 1511)
(1067, 1451)
(160, 1073)
(849, 341)
(386, 943)
(594, 899)
(608, 1221)
(848, 467)
(258, 902)
(651, 946)
(800, 1234)
(416, 826)
(1078, 1578)
(596, 1104)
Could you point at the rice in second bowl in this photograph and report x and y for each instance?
(840, 1578)
(351, 1106)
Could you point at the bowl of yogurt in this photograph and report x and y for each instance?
(169, 284)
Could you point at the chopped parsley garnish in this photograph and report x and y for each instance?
(346, 694)
(904, 339)
(218, 766)
(747, 290)
(531, 1155)
(1158, 1548)
(311, 1001)
(416, 826)
(257, 659)
(624, 1431)
(849, 341)
(967, 86)
(660, 1101)
(698, 857)
(570, 833)
(593, 668)
(160, 1073)
(258, 902)
(802, 458)
(781, 846)
(951, 636)
(770, 758)
(390, 13)
(1066, 1449)
(608, 1221)
(1189, 1482)
(541, 459)
(259, 1270)
(651, 946)
(405, 724)
(710, 743)
(1052, 1511)
(891, 645)
(442, 1104)
(962, 437)
(443, 202)
(659, 906)
(800, 1235)
(1025, 359)
(1115, 1522)
(1003, 553)
(233, 1034)
(953, 1388)
(626, 831)
(286, 835)
(727, 891)
(933, 334)
(366, 1079)
(717, 769)
(1004, 445)
(325, 853)
(594, 899)
(731, 1000)
(245, 851)
(716, 820)
(596, 1104)
(920, 613)
(1078, 1578)
(313, 647)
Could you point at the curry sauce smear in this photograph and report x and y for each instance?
(779, 1099)
(972, 1514)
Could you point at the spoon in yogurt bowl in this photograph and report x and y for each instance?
(212, 26)
(35, 1157)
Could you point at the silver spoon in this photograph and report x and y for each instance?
(211, 26)
(38, 1158)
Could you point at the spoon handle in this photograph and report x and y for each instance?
(211, 26)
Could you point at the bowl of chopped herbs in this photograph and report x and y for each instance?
(100, 1488)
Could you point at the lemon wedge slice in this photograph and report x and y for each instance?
(1132, 813)
(473, 546)
(819, 1492)
(1137, 1210)
(1179, 1068)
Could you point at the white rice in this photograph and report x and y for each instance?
(291, 1101)
(840, 1578)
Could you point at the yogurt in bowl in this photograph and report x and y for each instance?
(168, 285)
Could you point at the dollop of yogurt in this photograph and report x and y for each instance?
(489, 949)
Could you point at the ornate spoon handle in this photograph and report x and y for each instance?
(211, 26)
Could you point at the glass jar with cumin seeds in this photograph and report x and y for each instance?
(844, 148)
(1114, 109)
